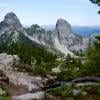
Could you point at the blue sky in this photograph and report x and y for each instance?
(46, 12)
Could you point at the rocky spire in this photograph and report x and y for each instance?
(64, 31)
(62, 22)
(12, 20)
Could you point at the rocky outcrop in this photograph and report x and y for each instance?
(68, 38)
(20, 78)
(64, 32)
(39, 35)
(30, 96)
(12, 20)
(15, 77)
(10, 29)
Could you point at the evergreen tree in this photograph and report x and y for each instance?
(92, 67)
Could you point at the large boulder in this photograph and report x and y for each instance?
(3, 56)
(30, 96)
(15, 77)
(19, 79)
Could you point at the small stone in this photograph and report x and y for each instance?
(75, 92)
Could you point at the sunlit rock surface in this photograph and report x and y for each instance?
(20, 78)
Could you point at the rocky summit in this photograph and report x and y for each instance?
(64, 31)
(68, 38)
(10, 22)
(10, 29)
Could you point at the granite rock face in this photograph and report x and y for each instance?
(20, 78)
(15, 77)
(40, 35)
(10, 22)
(64, 31)
(68, 38)
(10, 29)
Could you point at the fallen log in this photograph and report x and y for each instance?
(83, 81)
(86, 79)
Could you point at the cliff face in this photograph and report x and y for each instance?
(10, 22)
(68, 38)
(64, 32)
(10, 28)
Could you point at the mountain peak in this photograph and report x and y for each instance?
(64, 31)
(10, 23)
(12, 20)
(10, 15)
(63, 22)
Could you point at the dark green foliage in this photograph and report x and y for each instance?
(79, 53)
(95, 1)
(92, 66)
(27, 51)
(69, 69)
(64, 93)
(71, 63)
(45, 68)
(6, 96)
(94, 58)
(5, 39)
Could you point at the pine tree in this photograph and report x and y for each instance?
(93, 64)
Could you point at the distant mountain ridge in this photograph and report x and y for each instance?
(62, 39)
(81, 30)
(86, 30)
